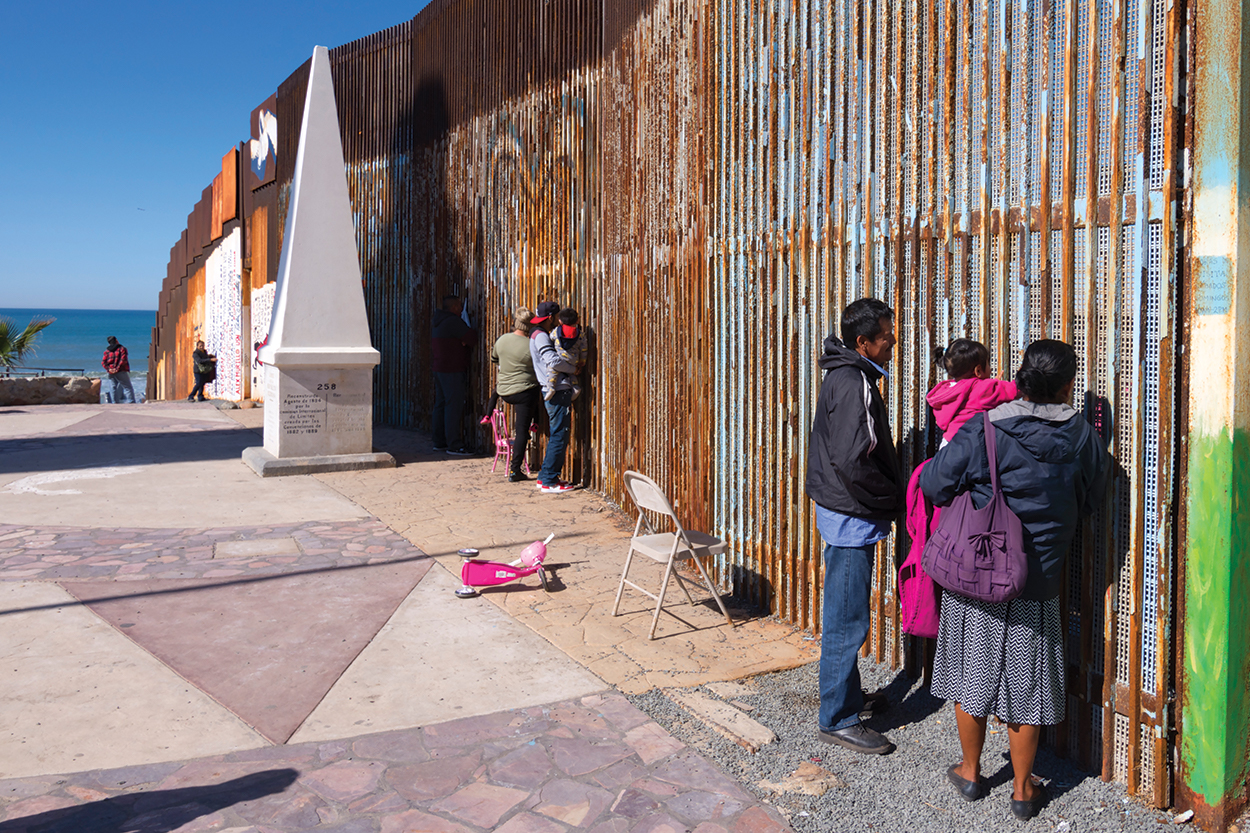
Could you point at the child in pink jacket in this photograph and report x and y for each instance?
(969, 390)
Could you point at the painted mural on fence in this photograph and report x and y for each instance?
(262, 312)
(223, 316)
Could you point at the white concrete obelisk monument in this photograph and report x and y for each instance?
(319, 359)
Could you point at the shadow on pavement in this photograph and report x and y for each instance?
(158, 811)
(44, 454)
(89, 450)
(195, 583)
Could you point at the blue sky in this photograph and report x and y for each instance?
(116, 118)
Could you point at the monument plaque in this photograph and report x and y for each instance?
(319, 358)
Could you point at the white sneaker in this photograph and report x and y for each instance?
(556, 488)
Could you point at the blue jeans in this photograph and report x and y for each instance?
(448, 416)
(558, 407)
(123, 391)
(844, 627)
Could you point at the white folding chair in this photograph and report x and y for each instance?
(665, 547)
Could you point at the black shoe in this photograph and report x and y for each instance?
(859, 738)
(460, 452)
(970, 790)
(1025, 810)
(874, 704)
(517, 477)
(440, 448)
(190, 398)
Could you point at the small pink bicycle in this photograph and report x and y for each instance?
(475, 573)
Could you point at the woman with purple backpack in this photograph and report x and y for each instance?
(1006, 658)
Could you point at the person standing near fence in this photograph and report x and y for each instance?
(554, 373)
(116, 362)
(204, 368)
(854, 479)
(450, 340)
(517, 385)
(1006, 658)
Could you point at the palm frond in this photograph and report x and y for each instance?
(15, 346)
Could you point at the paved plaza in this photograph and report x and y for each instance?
(190, 647)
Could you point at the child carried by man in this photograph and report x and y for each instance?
(570, 343)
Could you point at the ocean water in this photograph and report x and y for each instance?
(77, 338)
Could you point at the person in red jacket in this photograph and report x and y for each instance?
(117, 364)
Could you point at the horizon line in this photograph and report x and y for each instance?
(73, 309)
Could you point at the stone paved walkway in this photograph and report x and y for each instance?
(28, 552)
(595, 764)
(441, 504)
(187, 651)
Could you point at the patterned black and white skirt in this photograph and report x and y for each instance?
(1004, 659)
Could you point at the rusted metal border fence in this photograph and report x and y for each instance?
(710, 181)
(1004, 171)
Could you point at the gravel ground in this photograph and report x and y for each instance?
(903, 791)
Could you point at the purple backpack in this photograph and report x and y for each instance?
(979, 553)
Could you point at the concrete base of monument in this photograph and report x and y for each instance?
(267, 465)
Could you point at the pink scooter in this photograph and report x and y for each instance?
(475, 573)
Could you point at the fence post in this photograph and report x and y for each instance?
(1214, 691)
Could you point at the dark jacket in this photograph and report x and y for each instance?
(204, 365)
(449, 342)
(852, 465)
(1052, 468)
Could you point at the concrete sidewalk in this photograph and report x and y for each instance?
(191, 641)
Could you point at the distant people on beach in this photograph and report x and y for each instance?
(204, 366)
(116, 362)
(450, 341)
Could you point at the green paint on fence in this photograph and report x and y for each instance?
(1216, 707)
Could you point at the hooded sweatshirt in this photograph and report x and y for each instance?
(1052, 468)
(449, 343)
(554, 371)
(852, 466)
(955, 400)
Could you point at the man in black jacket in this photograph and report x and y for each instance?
(854, 479)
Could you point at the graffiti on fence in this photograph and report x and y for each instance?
(223, 313)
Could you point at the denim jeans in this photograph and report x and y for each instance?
(448, 416)
(197, 392)
(123, 391)
(844, 627)
(558, 407)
